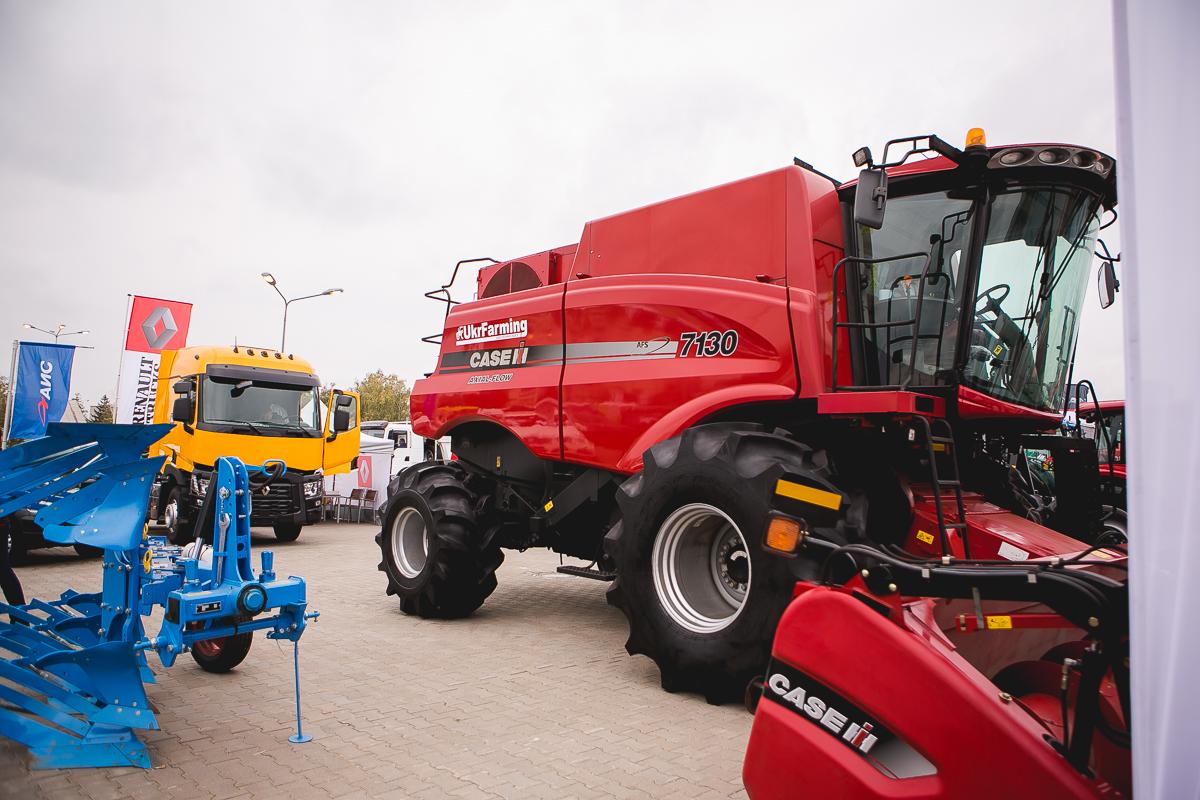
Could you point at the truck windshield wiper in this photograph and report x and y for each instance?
(251, 425)
(290, 426)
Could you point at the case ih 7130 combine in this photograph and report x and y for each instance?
(716, 396)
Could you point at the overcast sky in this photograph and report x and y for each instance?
(180, 149)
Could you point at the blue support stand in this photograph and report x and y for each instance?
(299, 737)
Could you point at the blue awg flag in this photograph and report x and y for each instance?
(41, 388)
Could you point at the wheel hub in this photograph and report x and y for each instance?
(171, 514)
(410, 542)
(701, 568)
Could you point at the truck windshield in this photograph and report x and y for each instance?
(273, 409)
(1024, 317)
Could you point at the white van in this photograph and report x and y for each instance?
(410, 448)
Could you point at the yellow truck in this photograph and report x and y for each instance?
(256, 404)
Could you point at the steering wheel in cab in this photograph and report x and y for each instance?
(988, 347)
(991, 303)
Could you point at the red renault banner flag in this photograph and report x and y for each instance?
(154, 325)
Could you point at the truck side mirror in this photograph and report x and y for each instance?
(870, 198)
(341, 419)
(183, 410)
(183, 387)
(1107, 284)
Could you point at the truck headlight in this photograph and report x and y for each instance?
(312, 488)
(200, 483)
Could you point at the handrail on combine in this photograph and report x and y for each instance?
(915, 322)
(442, 294)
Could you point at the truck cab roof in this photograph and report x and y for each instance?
(196, 360)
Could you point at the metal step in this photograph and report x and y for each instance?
(584, 572)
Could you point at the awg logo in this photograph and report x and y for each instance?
(45, 388)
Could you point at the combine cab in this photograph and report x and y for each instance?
(863, 359)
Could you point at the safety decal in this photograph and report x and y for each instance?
(1012, 552)
(925, 536)
(998, 622)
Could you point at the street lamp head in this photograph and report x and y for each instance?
(332, 291)
(27, 325)
(269, 278)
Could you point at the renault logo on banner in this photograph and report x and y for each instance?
(159, 327)
(155, 325)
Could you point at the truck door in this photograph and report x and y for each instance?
(341, 432)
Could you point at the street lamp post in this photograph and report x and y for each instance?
(57, 332)
(269, 278)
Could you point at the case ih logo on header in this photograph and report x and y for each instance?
(491, 331)
(824, 707)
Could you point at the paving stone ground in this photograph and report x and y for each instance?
(531, 697)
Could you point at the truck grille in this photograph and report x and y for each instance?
(279, 502)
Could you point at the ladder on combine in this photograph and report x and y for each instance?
(938, 438)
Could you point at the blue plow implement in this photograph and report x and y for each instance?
(73, 670)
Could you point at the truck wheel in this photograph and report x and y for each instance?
(435, 558)
(702, 596)
(87, 551)
(177, 531)
(287, 531)
(223, 654)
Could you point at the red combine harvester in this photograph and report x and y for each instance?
(773, 368)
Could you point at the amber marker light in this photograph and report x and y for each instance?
(784, 535)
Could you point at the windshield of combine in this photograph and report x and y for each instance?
(1032, 276)
(272, 409)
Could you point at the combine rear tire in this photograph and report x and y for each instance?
(433, 553)
(223, 654)
(702, 596)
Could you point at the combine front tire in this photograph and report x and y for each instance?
(701, 595)
(435, 558)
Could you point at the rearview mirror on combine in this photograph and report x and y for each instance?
(183, 410)
(870, 198)
(1107, 283)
